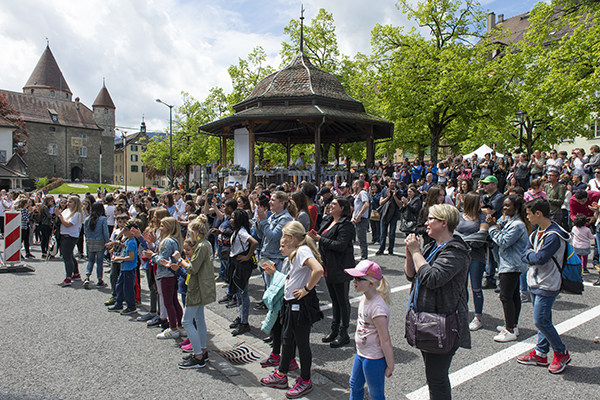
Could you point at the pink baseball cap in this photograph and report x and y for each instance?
(366, 268)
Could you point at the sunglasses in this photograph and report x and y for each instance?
(359, 278)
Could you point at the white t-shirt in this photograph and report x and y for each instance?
(361, 198)
(554, 165)
(5, 205)
(594, 185)
(132, 211)
(72, 231)
(110, 214)
(239, 242)
(367, 338)
(299, 274)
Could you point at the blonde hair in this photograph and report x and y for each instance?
(383, 289)
(296, 230)
(446, 212)
(174, 232)
(200, 226)
(160, 214)
(78, 208)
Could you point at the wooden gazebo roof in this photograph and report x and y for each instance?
(301, 104)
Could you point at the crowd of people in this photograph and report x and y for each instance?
(499, 217)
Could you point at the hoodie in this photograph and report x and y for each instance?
(543, 276)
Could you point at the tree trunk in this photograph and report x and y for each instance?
(325, 152)
(435, 129)
(186, 178)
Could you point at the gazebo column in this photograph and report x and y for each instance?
(251, 141)
(370, 146)
(223, 150)
(337, 151)
(289, 151)
(318, 151)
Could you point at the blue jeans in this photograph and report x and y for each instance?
(243, 300)
(595, 259)
(542, 318)
(361, 235)
(383, 227)
(197, 335)
(266, 277)
(95, 257)
(126, 289)
(476, 270)
(223, 263)
(523, 282)
(492, 265)
(373, 373)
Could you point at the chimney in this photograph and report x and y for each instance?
(491, 24)
(77, 103)
(500, 18)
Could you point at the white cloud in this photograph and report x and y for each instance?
(156, 49)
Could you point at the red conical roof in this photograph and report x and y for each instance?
(103, 99)
(47, 74)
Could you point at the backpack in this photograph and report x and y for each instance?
(571, 272)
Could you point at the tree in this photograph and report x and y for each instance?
(20, 134)
(552, 76)
(434, 87)
(246, 75)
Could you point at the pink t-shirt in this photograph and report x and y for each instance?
(582, 237)
(367, 338)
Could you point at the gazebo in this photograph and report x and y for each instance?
(300, 104)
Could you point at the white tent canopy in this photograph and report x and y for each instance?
(481, 152)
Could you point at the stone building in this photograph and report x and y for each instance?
(67, 139)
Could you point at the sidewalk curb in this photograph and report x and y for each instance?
(247, 376)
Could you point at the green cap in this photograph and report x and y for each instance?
(489, 179)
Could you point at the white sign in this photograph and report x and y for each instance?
(241, 149)
(232, 180)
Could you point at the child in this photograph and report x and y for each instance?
(96, 237)
(115, 246)
(242, 249)
(582, 237)
(300, 307)
(126, 283)
(374, 359)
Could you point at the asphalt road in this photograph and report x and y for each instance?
(62, 343)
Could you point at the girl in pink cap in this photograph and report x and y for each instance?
(374, 359)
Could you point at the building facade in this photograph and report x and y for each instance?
(67, 139)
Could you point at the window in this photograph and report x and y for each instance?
(143, 169)
(83, 151)
(31, 91)
(53, 115)
(134, 157)
(83, 138)
(134, 168)
(134, 148)
(106, 111)
(52, 93)
(52, 129)
(2, 156)
(52, 149)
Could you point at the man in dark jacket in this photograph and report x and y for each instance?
(493, 201)
(389, 219)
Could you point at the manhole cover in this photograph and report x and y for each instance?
(241, 354)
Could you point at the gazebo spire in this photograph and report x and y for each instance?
(302, 28)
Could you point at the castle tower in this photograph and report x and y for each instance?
(47, 80)
(104, 116)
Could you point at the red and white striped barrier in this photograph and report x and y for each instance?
(12, 236)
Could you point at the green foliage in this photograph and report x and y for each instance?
(66, 188)
(41, 182)
(247, 73)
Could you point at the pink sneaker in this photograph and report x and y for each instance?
(187, 348)
(76, 277)
(275, 381)
(185, 342)
(300, 389)
(293, 365)
(66, 282)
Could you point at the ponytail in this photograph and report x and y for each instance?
(295, 229)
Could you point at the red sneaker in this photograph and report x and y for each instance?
(293, 365)
(272, 361)
(560, 362)
(533, 359)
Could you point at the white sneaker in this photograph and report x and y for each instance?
(182, 332)
(500, 328)
(505, 336)
(168, 334)
(475, 324)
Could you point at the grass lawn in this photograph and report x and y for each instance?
(67, 188)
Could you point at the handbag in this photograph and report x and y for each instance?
(408, 226)
(431, 332)
(375, 216)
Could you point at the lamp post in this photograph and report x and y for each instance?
(124, 141)
(170, 141)
(521, 115)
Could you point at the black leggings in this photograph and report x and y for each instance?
(340, 302)
(25, 239)
(510, 297)
(276, 335)
(436, 372)
(296, 336)
(46, 231)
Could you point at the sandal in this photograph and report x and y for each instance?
(597, 339)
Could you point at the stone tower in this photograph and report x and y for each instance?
(47, 80)
(104, 116)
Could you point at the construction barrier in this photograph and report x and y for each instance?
(12, 236)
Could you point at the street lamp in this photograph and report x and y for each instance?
(170, 140)
(521, 115)
(124, 141)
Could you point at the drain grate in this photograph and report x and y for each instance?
(241, 354)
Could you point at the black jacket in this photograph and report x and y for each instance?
(336, 248)
(411, 211)
(444, 284)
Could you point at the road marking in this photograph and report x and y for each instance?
(590, 284)
(471, 371)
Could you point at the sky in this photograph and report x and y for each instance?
(156, 49)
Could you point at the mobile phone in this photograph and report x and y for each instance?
(312, 231)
